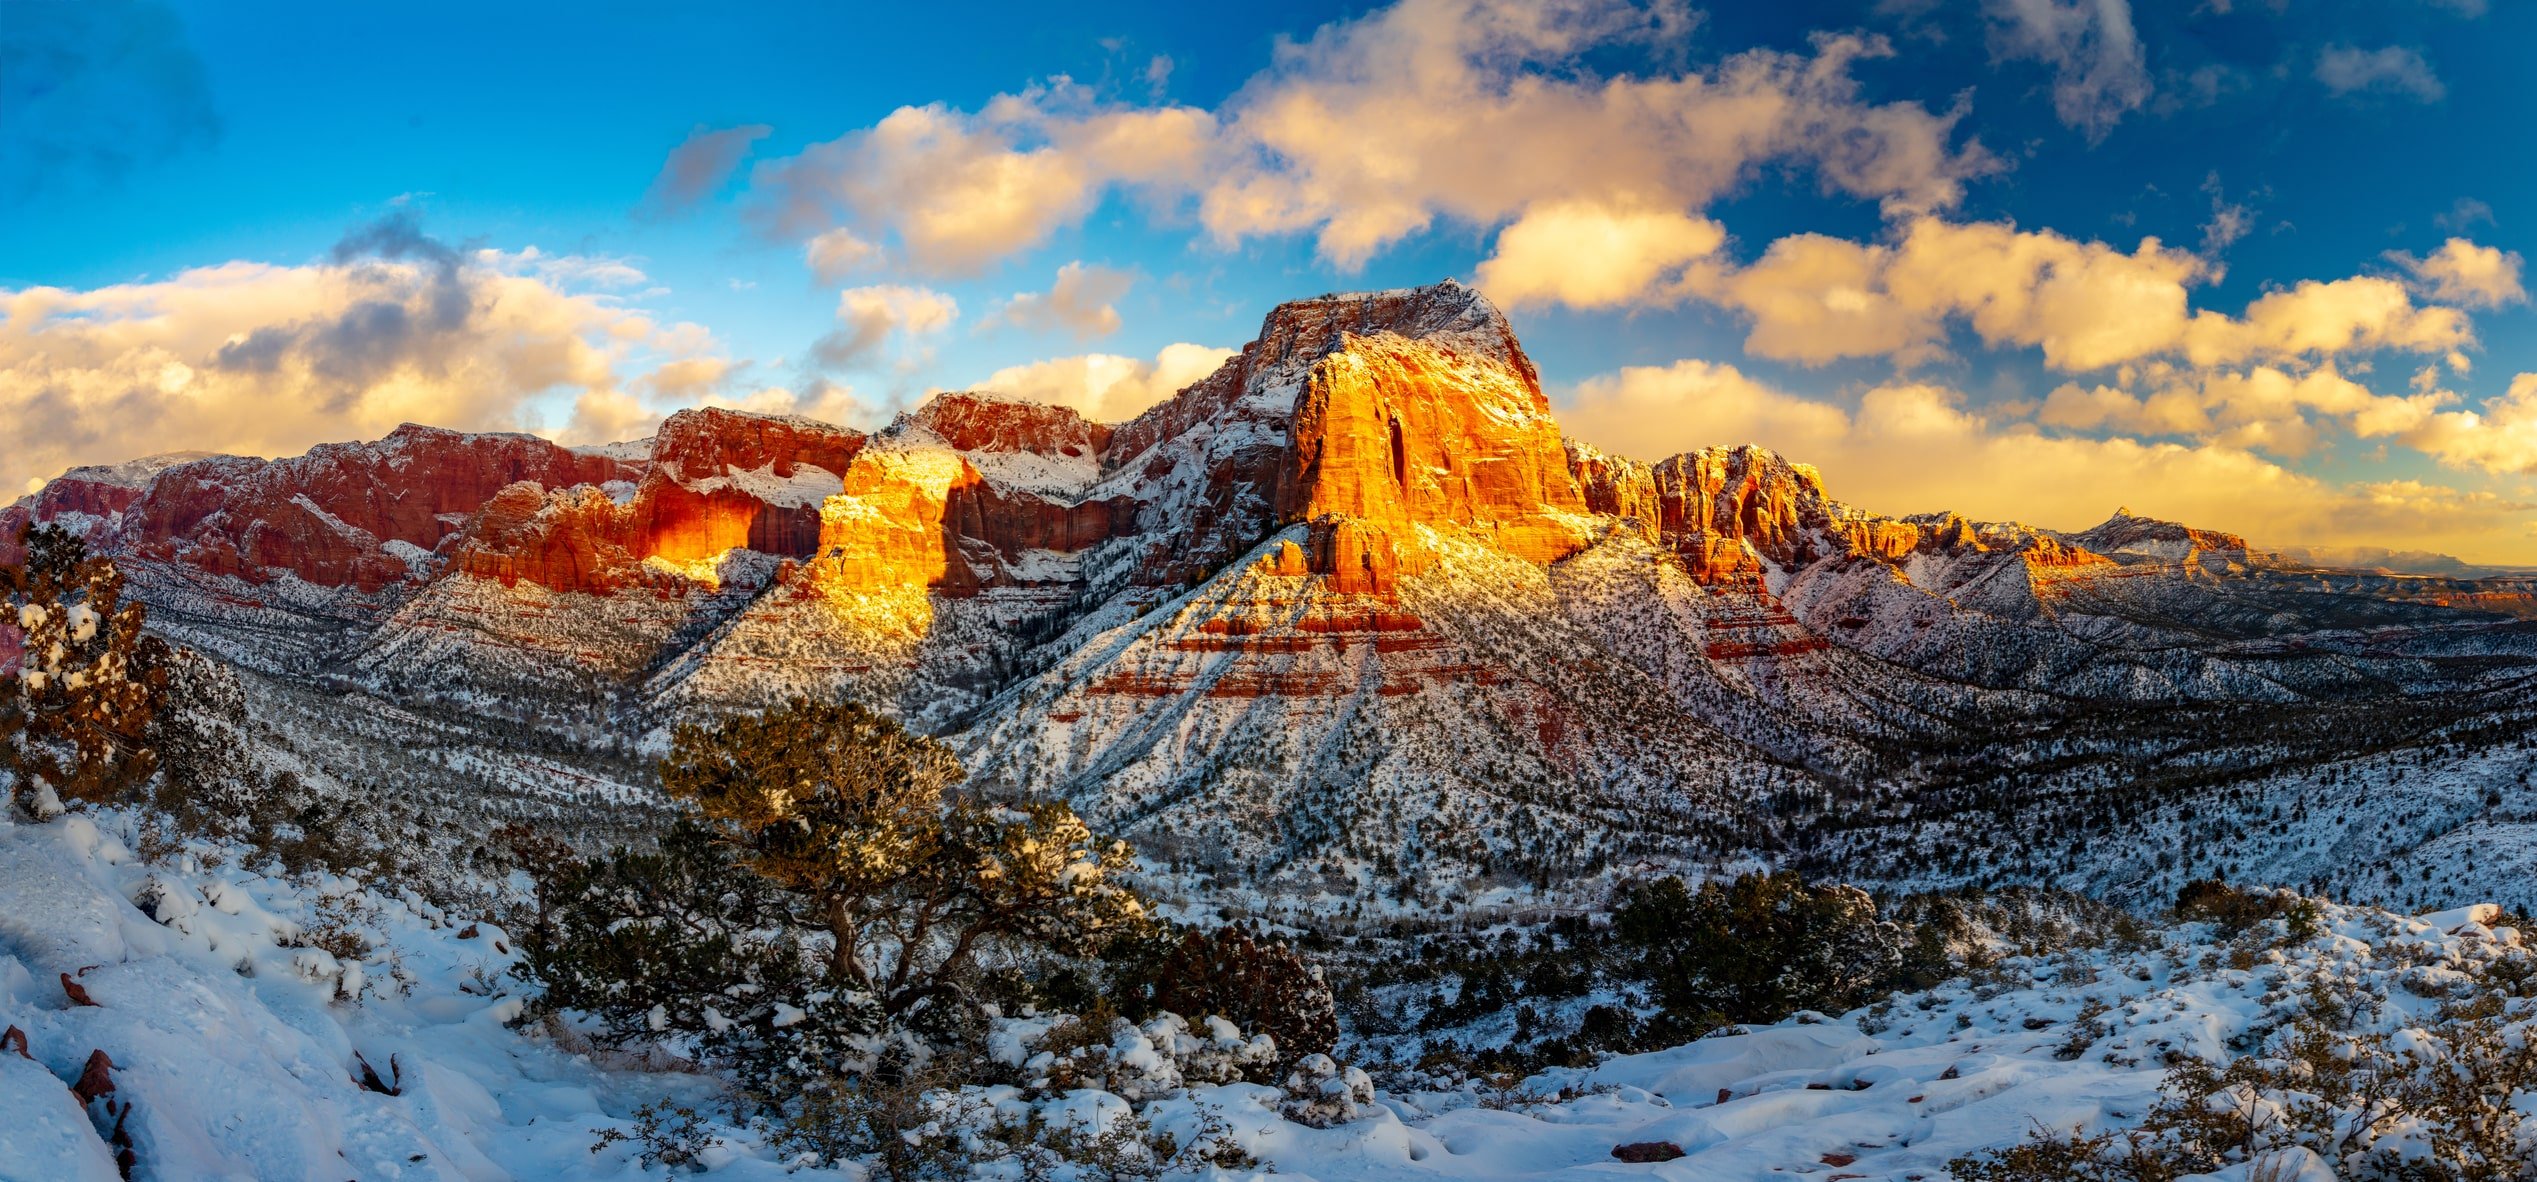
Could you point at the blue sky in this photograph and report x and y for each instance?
(1904, 241)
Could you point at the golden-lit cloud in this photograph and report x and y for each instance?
(1373, 129)
(958, 191)
(2461, 272)
(265, 359)
(1082, 302)
(836, 253)
(2085, 305)
(2270, 409)
(1107, 387)
(1589, 254)
(2500, 436)
(867, 317)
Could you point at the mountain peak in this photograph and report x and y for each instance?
(1447, 315)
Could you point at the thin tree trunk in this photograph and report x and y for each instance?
(841, 967)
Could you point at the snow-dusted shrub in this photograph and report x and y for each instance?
(665, 1134)
(1321, 1093)
(849, 812)
(931, 1125)
(2439, 1102)
(2236, 910)
(1261, 985)
(682, 948)
(1108, 1053)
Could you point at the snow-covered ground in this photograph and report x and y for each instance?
(238, 1011)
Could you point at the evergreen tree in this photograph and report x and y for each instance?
(1756, 949)
(79, 681)
(848, 811)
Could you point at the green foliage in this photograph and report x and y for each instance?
(676, 939)
(77, 702)
(831, 800)
(683, 945)
(918, 891)
(1262, 986)
(1756, 949)
(2237, 910)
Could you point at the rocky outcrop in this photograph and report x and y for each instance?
(1301, 426)
(717, 481)
(982, 422)
(574, 539)
(885, 531)
(2129, 536)
(357, 515)
(1393, 433)
(698, 446)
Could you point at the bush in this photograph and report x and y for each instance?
(1259, 985)
(1757, 949)
(681, 946)
(2236, 911)
(2439, 1105)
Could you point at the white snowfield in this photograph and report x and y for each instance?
(234, 1041)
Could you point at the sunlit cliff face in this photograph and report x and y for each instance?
(705, 572)
(688, 531)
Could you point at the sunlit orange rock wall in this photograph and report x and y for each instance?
(886, 530)
(1390, 434)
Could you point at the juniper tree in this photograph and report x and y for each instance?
(79, 681)
(846, 809)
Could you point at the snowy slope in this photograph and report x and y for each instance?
(238, 1009)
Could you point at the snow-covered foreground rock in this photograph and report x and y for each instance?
(238, 1012)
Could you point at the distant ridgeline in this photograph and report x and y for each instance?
(1353, 615)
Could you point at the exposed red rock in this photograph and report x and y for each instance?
(327, 516)
(570, 540)
(699, 445)
(1391, 434)
(886, 530)
(971, 421)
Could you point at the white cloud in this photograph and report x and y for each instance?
(263, 359)
(1082, 301)
(959, 191)
(1473, 111)
(2461, 272)
(836, 253)
(868, 316)
(2315, 318)
(2393, 70)
(2100, 70)
(2086, 305)
(1106, 387)
(2501, 437)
